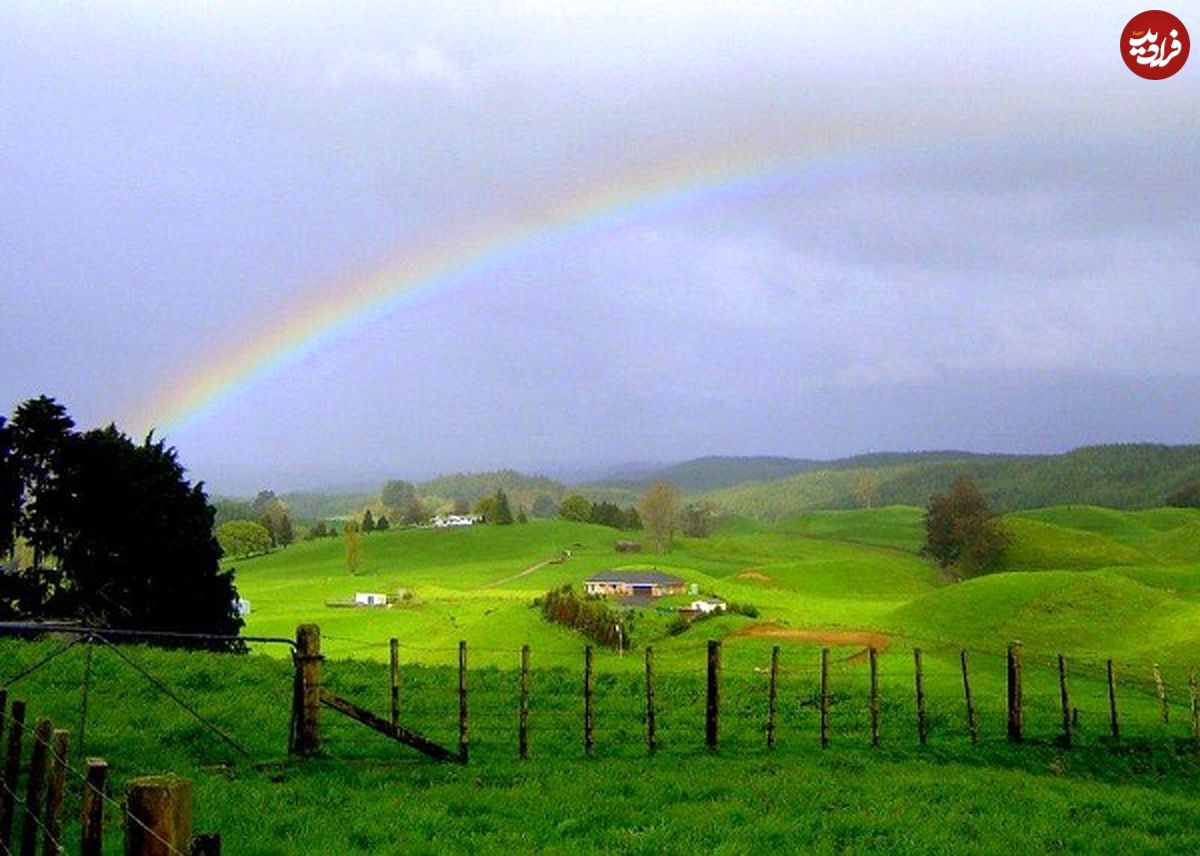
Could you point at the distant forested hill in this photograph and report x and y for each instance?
(1117, 476)
(522, 489)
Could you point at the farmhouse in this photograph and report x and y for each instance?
(633, 583)
(368, 598)
(444, 521)
(708, 604)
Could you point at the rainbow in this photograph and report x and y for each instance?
(361, 302)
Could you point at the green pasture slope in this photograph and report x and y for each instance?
(1092, 583)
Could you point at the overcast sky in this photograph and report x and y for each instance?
(986, 236)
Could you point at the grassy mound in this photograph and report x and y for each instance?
(898, 526)
(1038, 545)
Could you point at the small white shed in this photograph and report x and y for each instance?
(369, 598)
(708, 604)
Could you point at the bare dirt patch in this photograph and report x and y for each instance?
(754, 575)
(831, 638)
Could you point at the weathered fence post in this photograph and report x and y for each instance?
(523, 724)
(873, 662)
(823, 697)
(36, 794)
(394, 679)
(712, 705)
(1065, 700)
(972, 719)
(86, 693)
(59, 742)
(588, 740)
(91, 834)
(772, 696)
(158, 818)
(919, 679)
(1161, 689)
(463, 733)
(12, 768)
(651, 737)
(306, 712)
(1015, 696)
(1114, 726)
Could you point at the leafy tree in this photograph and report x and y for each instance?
(382, 524)
(368, 522)
(486, 509)
(633, 520)
(660, 513)
(350, 532)
(608, 514)
(232, 509)
(575, 507)
(1187, 496)
(397, 495)
(319, 530)
(415, 512)
(503, 515)
(10, 489)
(522, 517)
(866, 489)
(239, 538)
(544, 506)
(274, 517)
(461, 506)
(697, 519)
(962, 531)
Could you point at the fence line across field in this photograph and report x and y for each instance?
(825, 698)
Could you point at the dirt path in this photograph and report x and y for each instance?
(523, 573)
(865, 638)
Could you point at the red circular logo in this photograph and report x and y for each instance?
(1155, 44)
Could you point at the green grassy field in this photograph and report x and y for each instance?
(1121, 585)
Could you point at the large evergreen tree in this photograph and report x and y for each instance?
(120, 537)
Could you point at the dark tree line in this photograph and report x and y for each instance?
(112, 532)
(591, 616)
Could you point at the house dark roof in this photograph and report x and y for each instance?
(635, 578)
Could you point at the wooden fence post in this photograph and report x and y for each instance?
(59, 743)
(972, 718)
(1015, 696)
(651, 737)
(588, 737)
(772, 696)
(823, 698)
(306, 728)
(1114, 727)
(1161, 689)
(394, 679)
(712, 706)
(463, 732)
(208, 844)
(873, 662)
(91, 835)
(158, 818)
(1065, 700)
(36, 793)
(12, 768)
(86, 692)
(919, 679)
(523, 724)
